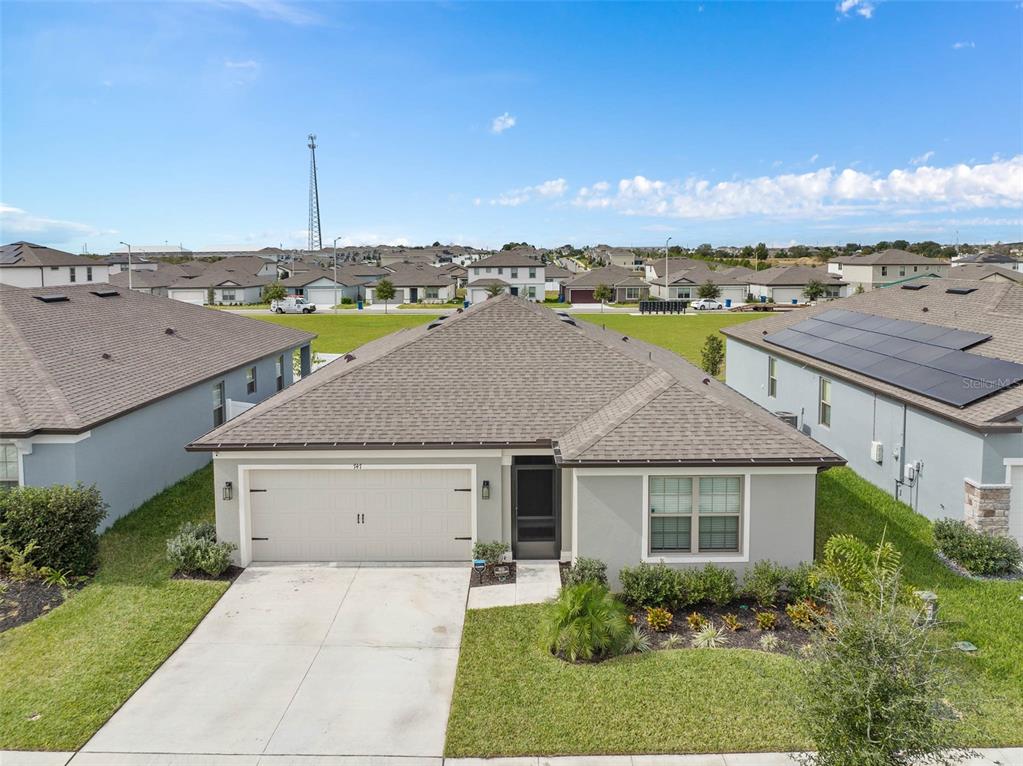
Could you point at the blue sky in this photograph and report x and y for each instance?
(482, 123)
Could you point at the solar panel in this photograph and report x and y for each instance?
(926, 359)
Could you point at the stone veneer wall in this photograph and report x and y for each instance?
(987, 507)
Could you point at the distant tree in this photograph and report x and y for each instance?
(815, 290)
(747, 253)
(494, 290)
(760, 253)
(435, 244)
(712, 355)
(274, 292)
(603, 293)
(514, 245)
(900, 244)
(709, 290)
(705, 249)
(385, 291)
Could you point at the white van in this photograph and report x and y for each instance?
(292, 305)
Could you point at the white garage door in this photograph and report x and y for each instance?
(190, 296)
(361, 515)
(323, 296)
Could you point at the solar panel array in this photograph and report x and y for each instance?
(926, 359)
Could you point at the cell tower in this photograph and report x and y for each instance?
(315, 240)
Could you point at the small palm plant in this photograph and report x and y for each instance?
(586, 622)
(711, 637)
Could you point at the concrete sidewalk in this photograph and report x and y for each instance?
(985, 757)
(535, 582)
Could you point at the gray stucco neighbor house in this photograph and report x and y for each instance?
(106, 386)
(509, 421)
(962, 462)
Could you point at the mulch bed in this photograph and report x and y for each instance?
(489, 578)
(25, 600)
(790, 638)
(228, 575)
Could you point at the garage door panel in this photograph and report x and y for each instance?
(407, 515)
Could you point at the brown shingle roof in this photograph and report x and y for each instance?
(612, 276)
(889, 257)
(793, 276)
(984, 271)
(55, 378)
(993, 307)
(518, 257)
(27, 254)
(520, 355)
(407, 275)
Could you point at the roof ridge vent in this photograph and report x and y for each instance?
(169, 331)
(960, 290)
(104, 293)
(51, 298)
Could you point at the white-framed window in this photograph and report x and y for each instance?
(88, 273)
(902, 271)
(632, 293)
(884, 271)
(250, 380)
(694, 514)
(9, 473)
(532, 273)
(488, 269)
(219, 404)
(73, 274)
(531, 291)
(824, 411)
(772, 376)
(500, 271)
(514, 273)
(279, 372)
(227, 296)
(432, 292)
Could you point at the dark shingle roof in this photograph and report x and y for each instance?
(520, 355)
(612, 276)
(407, 275)
(994, 308)
(56, 378)
(518, 257)
(889, 257)
(793, 276)
(26, 254)
(984, 271)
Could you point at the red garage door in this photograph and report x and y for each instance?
(577, 295)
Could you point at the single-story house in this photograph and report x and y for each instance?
(555, 276)
(416, 284)
(655, 267)
(106, 386)
(626, 284)
(917, 386)
(787, 284)
(521, 269)
(118, 262)
(23, 264)
(991, 258)
(156, 281)
(685, 284)
(221, 285)
(985, 272)
(318, 286)
(608, 468)
(884, 267)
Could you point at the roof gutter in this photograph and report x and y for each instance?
(821, 462)
(325, 446)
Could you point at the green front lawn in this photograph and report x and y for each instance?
(513, 698)
(682, 334)
(342, 333)
(66, 673)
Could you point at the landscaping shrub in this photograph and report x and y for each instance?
(195, 549)
(490, 552)
(709, 637)
(61, 520)
(653, 585)
(586, 622)
(765, 620)
(697, 622)
(876, 690)
(976, 552)
(586, 570)
(719, 584)
(851, 564)
(807, 614)
(764, 581)
(346, 301)
(658, 618)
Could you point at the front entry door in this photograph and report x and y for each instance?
(535, 507)
(413, 295)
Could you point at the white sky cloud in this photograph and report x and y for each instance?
(275, 10)
(923, 158)
(864, 8)
(501, 123)
(814, 158)
(549, 190)
(245, 64)
(827, 191)
(964, 44)
(17, 224)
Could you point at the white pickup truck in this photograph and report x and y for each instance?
(292, 305)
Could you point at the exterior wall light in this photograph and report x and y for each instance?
(228, 490)
(486, 490)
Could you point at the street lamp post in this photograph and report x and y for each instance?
(129, 263)
(667, 292)
(335, 273)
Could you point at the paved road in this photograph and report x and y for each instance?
(305, 660)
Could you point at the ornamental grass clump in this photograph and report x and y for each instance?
(587, 623)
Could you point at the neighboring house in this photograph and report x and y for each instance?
(456, 272)
(616, 256)
(645, 459)
(23, 264)
(318, 286)
(416, 284)
(156, 281)
(685, 285)
(220, 286)
(991, 258)
(118, 262)
(555, 276)
(926, 414)
(522, 272)
(984, 272)
(626, 284)
(884, 267)
(786, 284)
(654, 268)
(106, 386)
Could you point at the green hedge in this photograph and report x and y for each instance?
(62, 521)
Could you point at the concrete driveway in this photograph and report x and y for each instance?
(307, 660)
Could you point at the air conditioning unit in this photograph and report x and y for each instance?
(789, 417)
(876, 452)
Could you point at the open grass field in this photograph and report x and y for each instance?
(682, 334)
(64, 674)
(342, 333)
(514, 698)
